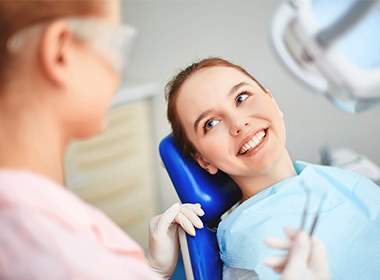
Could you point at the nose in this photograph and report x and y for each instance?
(238, 126)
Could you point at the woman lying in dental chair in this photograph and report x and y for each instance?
(225, 119)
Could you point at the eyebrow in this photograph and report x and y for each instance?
(234, 89)
(201, 116)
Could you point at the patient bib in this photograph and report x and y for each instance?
(349, 223)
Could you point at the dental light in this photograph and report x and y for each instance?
(333, 46)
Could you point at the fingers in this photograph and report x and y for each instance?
(279, 243)
(169, 215)
(318, 258)
(162, 222)
(192, 211)
(300, 249)
(277, 263)
(188, 217)
(306, 256)
(291, 232)
(297, 245)
(196, 208)
(185, 224)
(283, 243)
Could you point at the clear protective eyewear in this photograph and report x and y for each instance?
(112, 40)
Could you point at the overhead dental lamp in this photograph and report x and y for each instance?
(332, 46)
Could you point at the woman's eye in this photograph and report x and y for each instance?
(210, 124)
(241, 97)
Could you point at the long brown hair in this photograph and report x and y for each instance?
(18, 14)
(174, 86)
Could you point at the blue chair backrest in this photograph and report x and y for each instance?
(216, 193)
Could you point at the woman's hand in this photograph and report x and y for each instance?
(163, 250)
(306, 258)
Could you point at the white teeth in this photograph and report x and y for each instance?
(251, 144)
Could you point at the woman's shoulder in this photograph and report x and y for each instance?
(302, 166)
(335, 175)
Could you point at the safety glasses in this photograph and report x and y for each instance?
(113, 41)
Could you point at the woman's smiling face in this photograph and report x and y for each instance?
(232, 122)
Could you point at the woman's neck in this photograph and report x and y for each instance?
(277, 172)
(31, 141)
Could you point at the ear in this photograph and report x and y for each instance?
(267, 91)
(54, 52)
(204, 163)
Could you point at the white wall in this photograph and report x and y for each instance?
(172, 34)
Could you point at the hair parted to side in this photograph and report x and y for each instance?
(18, 14)
(173, 88)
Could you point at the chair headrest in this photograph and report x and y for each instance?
(216, 193)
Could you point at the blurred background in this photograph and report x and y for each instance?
(128, 180)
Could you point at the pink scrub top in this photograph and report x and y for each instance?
(46, 232)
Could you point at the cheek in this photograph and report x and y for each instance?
(98, 77)
(102, 83)
(281, 127)
(102, 80)
(214, 147)
(88, 114)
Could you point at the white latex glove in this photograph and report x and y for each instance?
(163, 250)
(306, 258)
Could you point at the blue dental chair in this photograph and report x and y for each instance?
(216, 193)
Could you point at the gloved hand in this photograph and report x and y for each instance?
(162, 255)
(306, 258)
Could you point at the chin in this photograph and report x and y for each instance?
(91, 130)
(266, 163)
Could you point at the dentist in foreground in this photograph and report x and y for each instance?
(60, 64)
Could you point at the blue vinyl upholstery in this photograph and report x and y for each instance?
(216, 193)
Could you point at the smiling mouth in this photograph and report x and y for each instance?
(253, 142)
